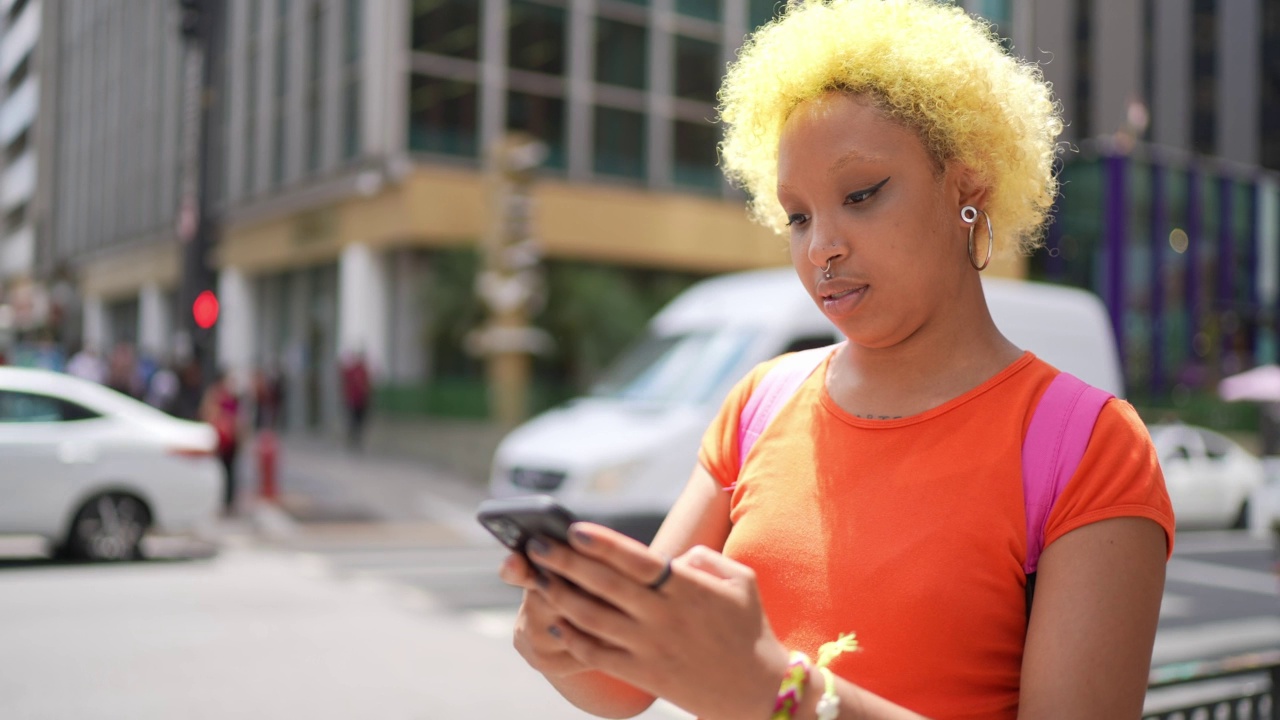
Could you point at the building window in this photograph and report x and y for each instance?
(1270, 84)
(1082, 117)
(442, 116)
(1204, 76)
(315, 111)
(351, 81)
(20, 72)
(1148, 60)
(705, 9)
(282, 85)
(17, 146)
(252, 68)
(621, 54)
(447, 27)
(537, 38)
(695, 146)
(15, 10)
(542, 117)
(619, 143)
(15, 217)
(762, 11)
(697, 69)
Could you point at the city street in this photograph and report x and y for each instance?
(377, 597)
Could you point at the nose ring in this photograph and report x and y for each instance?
(826, 271)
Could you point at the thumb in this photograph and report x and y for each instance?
(710, 562)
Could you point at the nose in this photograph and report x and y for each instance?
(826, 246)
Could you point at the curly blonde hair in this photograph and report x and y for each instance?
(926, 64)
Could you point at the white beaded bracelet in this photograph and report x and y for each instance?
(829, 703)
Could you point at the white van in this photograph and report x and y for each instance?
(622, 454)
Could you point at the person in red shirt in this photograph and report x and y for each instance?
(356, 391)
(893, 142)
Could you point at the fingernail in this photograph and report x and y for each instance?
(555, 631)
(582, 537)
(542, 580)
(538, 546)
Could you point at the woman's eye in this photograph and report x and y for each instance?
(796, 219)
(864, 195)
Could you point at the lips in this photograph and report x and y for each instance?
(836, 289)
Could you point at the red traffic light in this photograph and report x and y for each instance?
(205, 310)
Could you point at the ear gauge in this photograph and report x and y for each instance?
(969, 214)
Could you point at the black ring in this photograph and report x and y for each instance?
(663, 578)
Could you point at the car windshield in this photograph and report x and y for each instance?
(675, 368)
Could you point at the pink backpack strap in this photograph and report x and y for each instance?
(775, 388)
(1060, 429)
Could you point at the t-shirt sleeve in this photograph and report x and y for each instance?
(719, 450)
(1119, 476)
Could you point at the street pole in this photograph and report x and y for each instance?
(201, 23)
(510, 281)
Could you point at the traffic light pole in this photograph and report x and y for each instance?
(202, 24)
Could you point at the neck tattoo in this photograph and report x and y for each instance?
(877, 417)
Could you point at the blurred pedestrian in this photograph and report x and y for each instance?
(906, 483)
(122, 371)
(221, 409)
(186, 404)
(88, 365)
(356, 391)
(268, 399)
(162, 389)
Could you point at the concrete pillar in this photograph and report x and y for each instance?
(1117, 63)
(236, 320)
(1171, 101)
(95, 323)
(363, 290)
(408, 356)
(155, 323)
(1238, 83)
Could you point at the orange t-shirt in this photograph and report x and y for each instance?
(911, 533)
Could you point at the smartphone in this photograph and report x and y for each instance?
(514, 521)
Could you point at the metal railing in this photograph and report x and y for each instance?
(1240, 687)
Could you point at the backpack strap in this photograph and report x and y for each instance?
(775, 388)
(1055, 443)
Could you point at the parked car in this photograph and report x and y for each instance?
(92, 470)
(1210, 478)
(622, 454)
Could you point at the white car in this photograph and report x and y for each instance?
(1209, 477)
(92, 470)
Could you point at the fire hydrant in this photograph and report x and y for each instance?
(268, 458)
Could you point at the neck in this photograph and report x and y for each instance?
(953, 352)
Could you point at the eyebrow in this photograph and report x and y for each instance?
(851, 156)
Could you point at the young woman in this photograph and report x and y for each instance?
(885, 498)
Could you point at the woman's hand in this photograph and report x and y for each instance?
(532, 640)
(701, 640)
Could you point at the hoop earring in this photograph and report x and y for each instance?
(969, 214)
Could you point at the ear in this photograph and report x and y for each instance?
(965, 187)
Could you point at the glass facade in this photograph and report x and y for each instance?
(537, 39)
(443, 116)
(695, 164)
(446, 27)
(542, 117)
(704, 9)
(1173, 249)
(1269, 90)
(622, 54)
(620, 143)
(698, 69)
(1204, 71)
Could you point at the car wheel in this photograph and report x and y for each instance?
(109, 528)
(1242, 520)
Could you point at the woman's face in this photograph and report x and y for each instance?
(861, 191)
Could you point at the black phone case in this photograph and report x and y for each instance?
(514, 521)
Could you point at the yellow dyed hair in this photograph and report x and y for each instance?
(926, 64)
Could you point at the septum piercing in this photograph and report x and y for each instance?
(826, 271)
